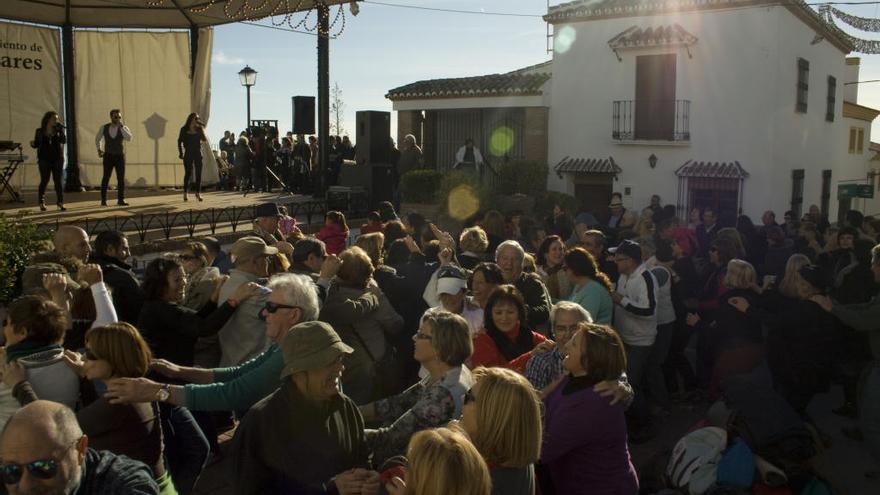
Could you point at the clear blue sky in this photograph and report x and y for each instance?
(384, 47)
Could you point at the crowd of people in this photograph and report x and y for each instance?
(517, 356)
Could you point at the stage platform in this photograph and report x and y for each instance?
(163, 215)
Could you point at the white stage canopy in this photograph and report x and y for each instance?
(172, 14)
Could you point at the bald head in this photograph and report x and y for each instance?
(42, 431)
(72, 241)
(44, 421)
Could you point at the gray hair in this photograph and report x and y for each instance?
(583, 314)
(515, 246)
(299, 291)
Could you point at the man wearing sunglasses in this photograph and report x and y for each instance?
(43, 450)
(291, 302)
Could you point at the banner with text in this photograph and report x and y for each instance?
(30, 85)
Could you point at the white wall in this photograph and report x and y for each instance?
(740, 79)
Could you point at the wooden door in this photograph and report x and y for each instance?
(594, 197)
(655, 97)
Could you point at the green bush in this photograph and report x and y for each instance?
(545, 201)
(21, 239)
(420, 186)
(481, 193)
(524, 177)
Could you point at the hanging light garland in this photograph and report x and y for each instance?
(871, 47)
(248, 11)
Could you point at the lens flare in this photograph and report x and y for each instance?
(564, 39)
(501, 141)
(463, 202)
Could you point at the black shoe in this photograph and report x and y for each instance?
(42, 206)
(103, 202)
(61, 207)
(121, 202)
(853, 433)
(847, 410)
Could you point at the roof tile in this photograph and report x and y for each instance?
(463, 87)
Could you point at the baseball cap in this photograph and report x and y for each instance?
(32, 278)
(628, 248)
(450, 280)
(311, 345)
(250, 247)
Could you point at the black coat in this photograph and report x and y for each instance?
(109, 474)
(287, 444)
(171, 330)
(125, 287)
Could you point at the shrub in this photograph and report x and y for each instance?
(547, 199)
(420, 186)
(525, 177)
(481, 196)
(21, 239)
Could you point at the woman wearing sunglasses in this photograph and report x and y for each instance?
(442, 345)
(502, 416)
(201, 280)
(172, 329)
(585, 442)
(116, 350)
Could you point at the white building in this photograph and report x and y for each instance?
(741, 105)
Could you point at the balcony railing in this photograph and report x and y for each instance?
(652, 120)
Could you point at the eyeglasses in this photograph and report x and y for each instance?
(44, 469)
(423, 336)
(713, 249)
(469, 397)
(90, 356)
(271, 307)
(188, 257)
(565, 328)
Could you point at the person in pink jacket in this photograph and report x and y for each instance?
(334, 233)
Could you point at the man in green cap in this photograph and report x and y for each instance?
(307, 437)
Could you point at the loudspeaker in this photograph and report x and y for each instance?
(303, 114)
(373, 137)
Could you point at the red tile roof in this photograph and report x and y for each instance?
(637, 37)
(587, 166)
(510, 84)
(714, 170)
(589, 10)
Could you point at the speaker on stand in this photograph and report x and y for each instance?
(303, 108)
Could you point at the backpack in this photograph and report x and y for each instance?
(737, 466)
(765, 420)
(694, 459)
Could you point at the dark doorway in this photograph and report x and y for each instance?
(655, 97)
(721, 195)
(594, 194)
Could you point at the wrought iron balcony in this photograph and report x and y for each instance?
(651, 120)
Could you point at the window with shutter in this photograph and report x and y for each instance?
(852, 140)
(797, 192)
(832, 98)
(860, 141)
(803, 80)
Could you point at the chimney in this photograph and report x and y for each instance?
(851, 75)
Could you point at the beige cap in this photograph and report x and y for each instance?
(250, 247)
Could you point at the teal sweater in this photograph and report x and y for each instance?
(239, 387)
(595, 299)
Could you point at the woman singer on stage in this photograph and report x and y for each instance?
(49, 142)
(189, 145)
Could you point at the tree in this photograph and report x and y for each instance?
(337, 111)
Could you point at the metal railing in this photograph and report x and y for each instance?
(165, 224)
(651, 120)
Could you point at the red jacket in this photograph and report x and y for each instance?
(334, 237)
(486, 353)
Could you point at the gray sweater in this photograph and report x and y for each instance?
(863, 317)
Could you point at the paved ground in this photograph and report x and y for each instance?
(843, 464)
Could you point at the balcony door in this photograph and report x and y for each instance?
(655, 97)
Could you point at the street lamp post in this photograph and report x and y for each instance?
(248, 78)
